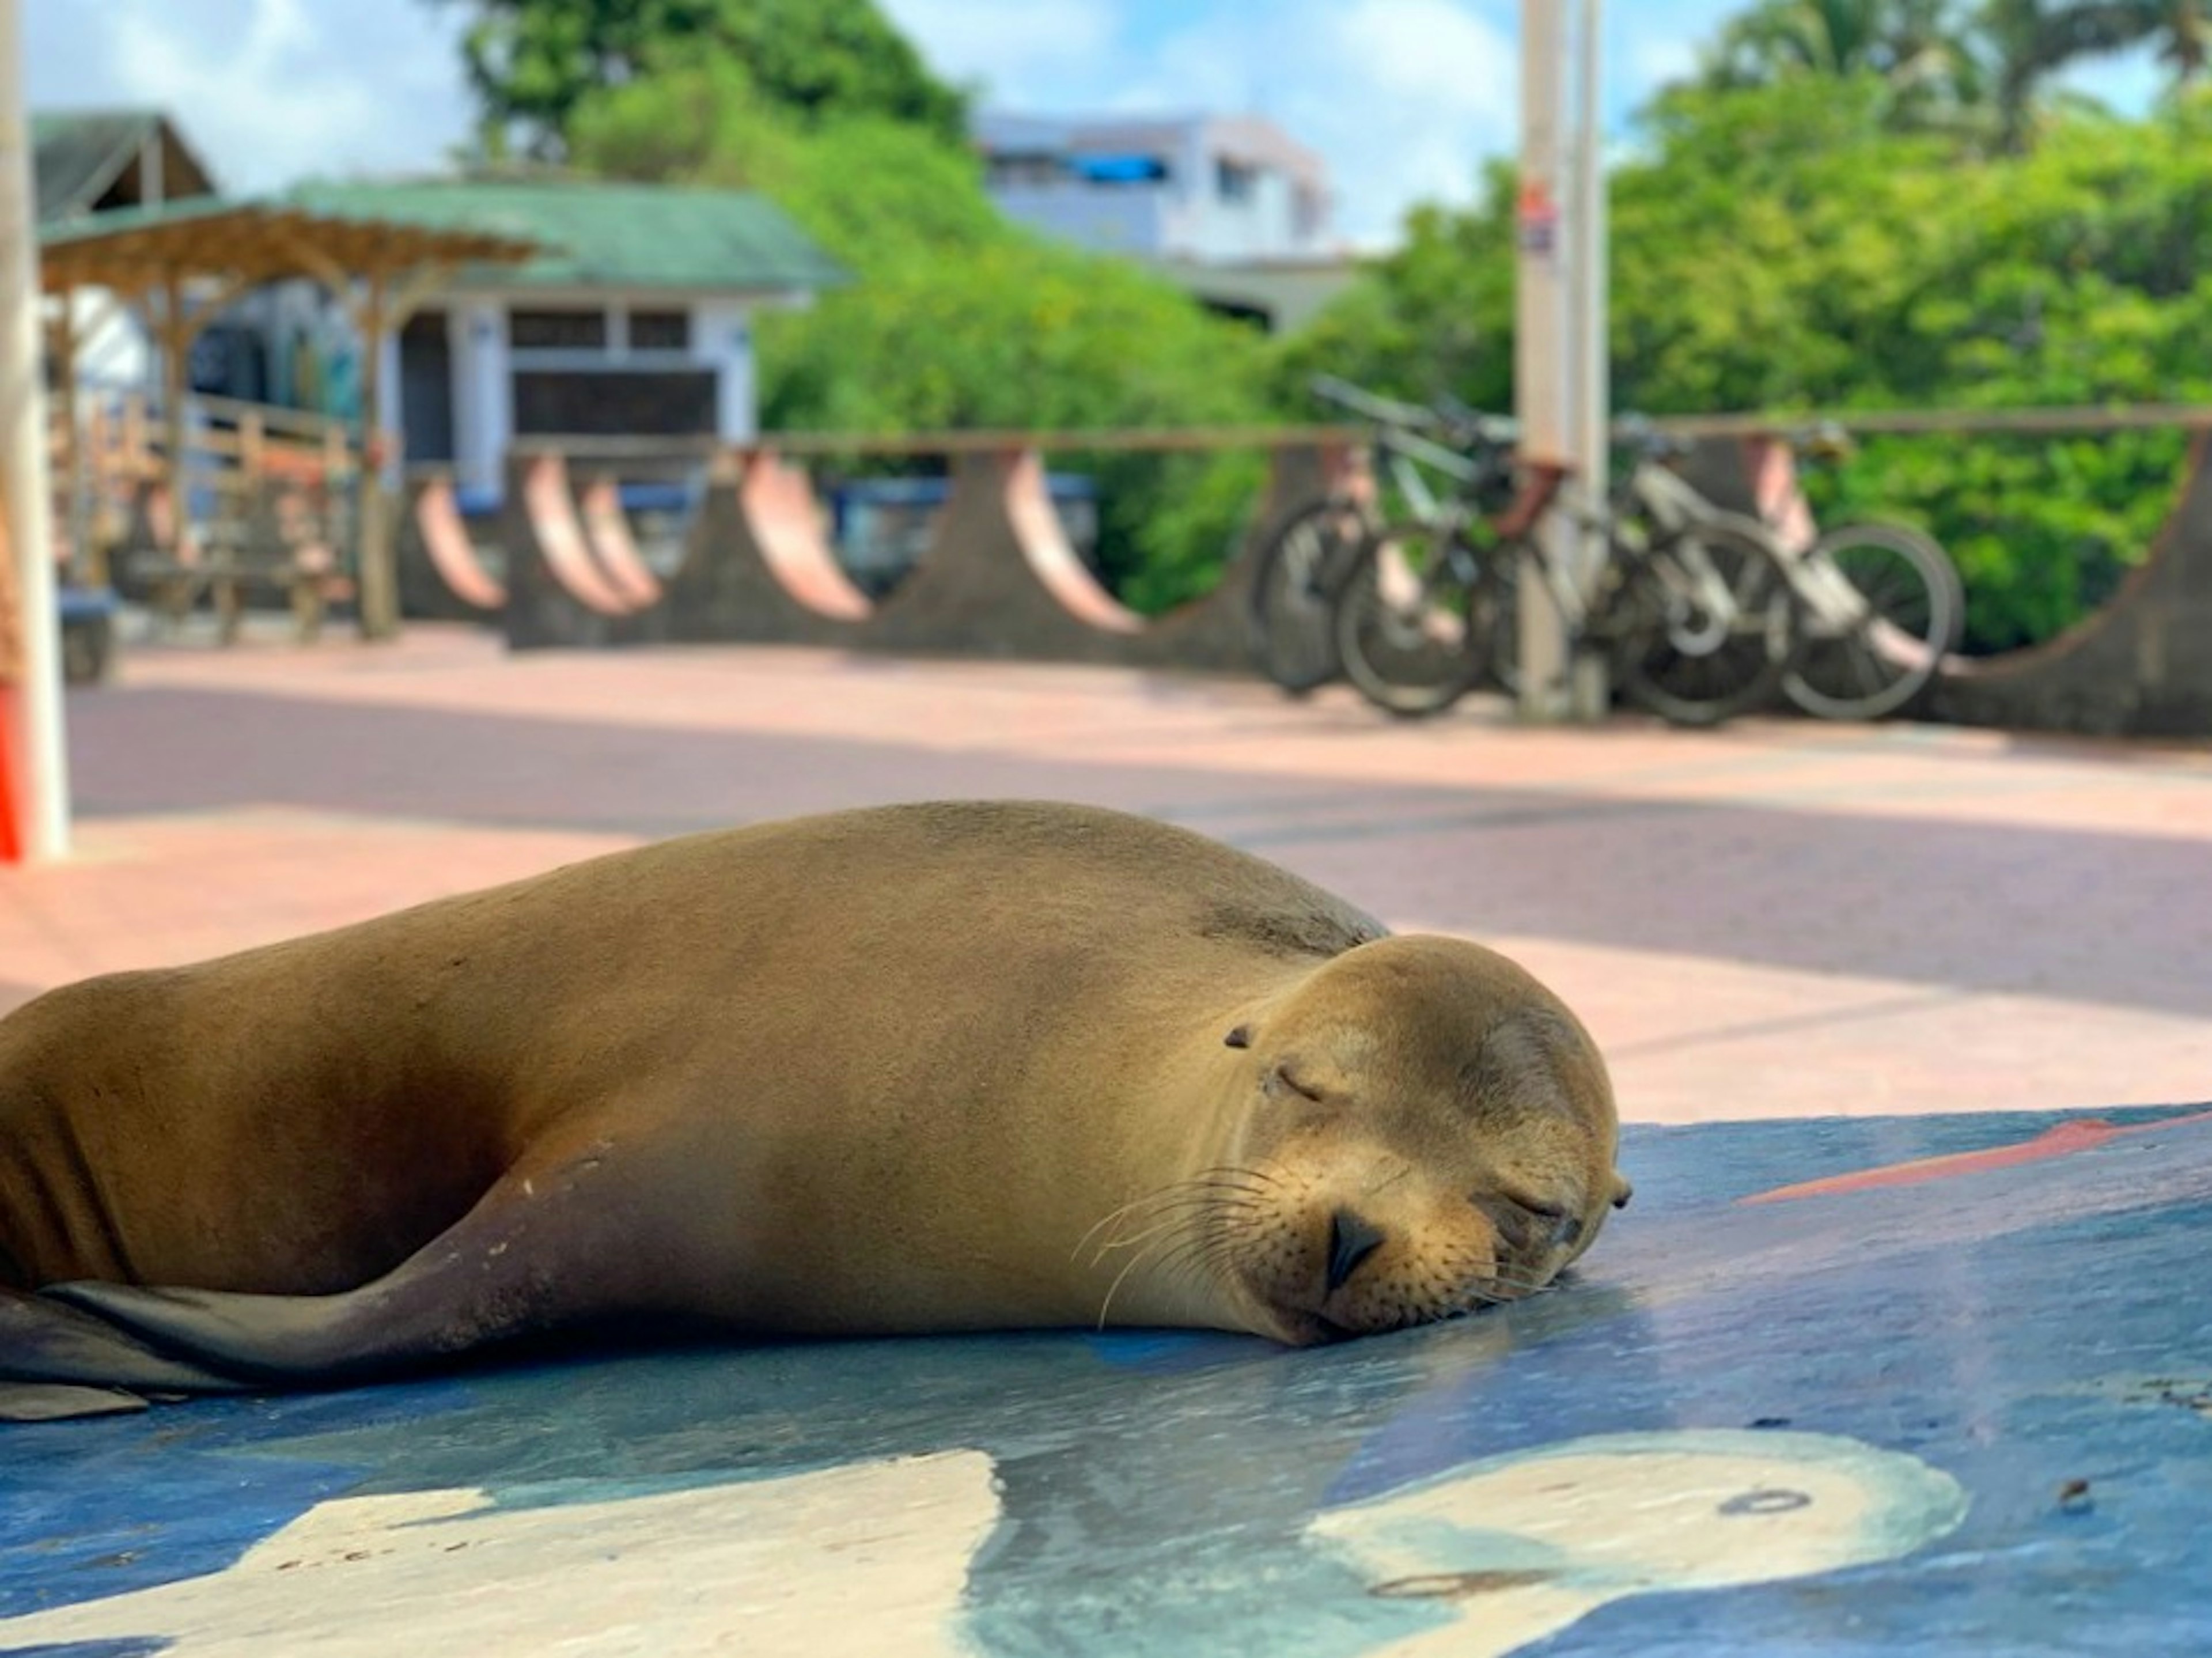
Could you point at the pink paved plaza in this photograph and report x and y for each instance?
(1778, 920)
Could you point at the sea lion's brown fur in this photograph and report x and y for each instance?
(932, 1067)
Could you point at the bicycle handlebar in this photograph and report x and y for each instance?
(1824, 438)
(1639, 433)
(1387, 410)
(1454, 418)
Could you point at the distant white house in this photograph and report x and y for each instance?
(1229, 207)
(634, 318)
(1201, 188)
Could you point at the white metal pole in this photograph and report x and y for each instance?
(1591, 396)
(35, 710)
(1541, 379)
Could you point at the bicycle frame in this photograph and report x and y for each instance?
(1654, 513)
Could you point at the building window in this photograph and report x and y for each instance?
(1015, 170)
(1234, 181)
(604, 402)
(557, 331)
(660, 330)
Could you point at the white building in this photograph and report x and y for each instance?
(1228, 208)
(634, 318)
(1199, 188)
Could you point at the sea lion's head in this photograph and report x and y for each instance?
(1424, 1129)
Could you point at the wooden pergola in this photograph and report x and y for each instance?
(182, 263)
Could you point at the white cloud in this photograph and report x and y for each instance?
(1430, 50)
(1654, 60)
(1016, 49)
(269, 90)
(1403, 99)
(2124, 81)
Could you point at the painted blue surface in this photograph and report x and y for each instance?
(646, 495)
(76, 604)
(2015, 1329)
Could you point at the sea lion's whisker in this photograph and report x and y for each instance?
(1113, 1289)
(1130, 1241)
(1176, 1192)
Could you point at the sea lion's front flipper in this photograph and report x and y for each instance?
(57, 1362)
(540, 1250)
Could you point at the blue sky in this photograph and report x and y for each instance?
(1402, 98)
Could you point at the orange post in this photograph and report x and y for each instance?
(11, 834)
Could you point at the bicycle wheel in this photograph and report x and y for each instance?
(1414, 619)
(1705, 627)
(1291, 638)
(1883, 606)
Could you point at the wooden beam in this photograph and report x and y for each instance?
(421, 285)
(62, 338)
(176, 344)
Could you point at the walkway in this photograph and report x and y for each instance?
(1779, 919)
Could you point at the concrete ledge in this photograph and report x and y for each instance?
(2139, 666)
(999, 579)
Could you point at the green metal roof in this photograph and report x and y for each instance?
(96, 226)
(76, 156)
(601, 235)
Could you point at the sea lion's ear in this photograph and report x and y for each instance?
(1240, 1038)
(1622, 1191)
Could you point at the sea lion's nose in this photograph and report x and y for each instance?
(1352, 1239)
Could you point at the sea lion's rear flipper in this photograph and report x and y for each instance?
(538, 1252)
(54, 1401)
(57, 1362)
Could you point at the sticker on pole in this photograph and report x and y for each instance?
(1537, 215)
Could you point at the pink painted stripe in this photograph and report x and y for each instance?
(1044, 543)
(553, 519)
(446, 539)
(791, 531)
(2063, 1141)
(608, 528)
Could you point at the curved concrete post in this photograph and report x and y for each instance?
(999, 577)
(441, 576)
(2139, 666)
(1722, 470)
(760, 569)
(558, 597)
(1214, 633)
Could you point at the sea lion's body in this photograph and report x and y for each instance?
(872, 1072)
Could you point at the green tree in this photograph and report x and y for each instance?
(2180, 31)
(1918, 51)
(1780, 248)
(533, 63)
(958, 318)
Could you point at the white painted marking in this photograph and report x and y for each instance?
(1518, 1547)
(866, 1559)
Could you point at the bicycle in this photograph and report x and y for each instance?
(1298, 570)
(1694, 606)
(1883, 605)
